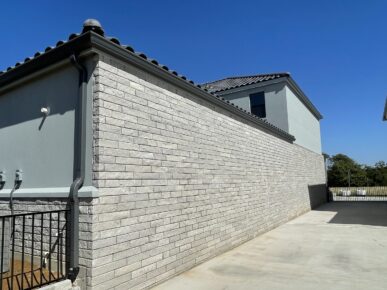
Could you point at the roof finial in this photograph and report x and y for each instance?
(93, 25)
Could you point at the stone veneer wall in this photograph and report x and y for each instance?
(181, 180)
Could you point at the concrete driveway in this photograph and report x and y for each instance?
(341, 245)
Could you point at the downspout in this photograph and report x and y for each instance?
(79, 168)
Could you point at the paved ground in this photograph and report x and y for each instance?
(340, 245)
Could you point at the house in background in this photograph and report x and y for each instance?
(277, 99)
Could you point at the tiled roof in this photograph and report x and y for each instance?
(91, 37)
(221, 87)
(235, 82)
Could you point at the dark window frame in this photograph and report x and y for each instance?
(258, 104)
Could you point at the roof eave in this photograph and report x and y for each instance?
(118, 51)
(54, 55)
(92, 40)
(385, 112)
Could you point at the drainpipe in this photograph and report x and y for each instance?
(79, 168)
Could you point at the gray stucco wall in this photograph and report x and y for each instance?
(275, 102)
(181, 180)
(43, 148)
(302, 123)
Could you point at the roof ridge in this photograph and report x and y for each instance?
(259, 75)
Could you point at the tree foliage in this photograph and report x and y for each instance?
(377, 175)
(344, 171)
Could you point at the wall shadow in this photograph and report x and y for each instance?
(318, 195)
(371, 213)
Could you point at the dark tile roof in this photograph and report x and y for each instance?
(222, 86)
(235, 82)
(77, 43)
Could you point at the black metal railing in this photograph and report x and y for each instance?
(33, 249)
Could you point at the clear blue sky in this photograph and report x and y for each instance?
(335, 50)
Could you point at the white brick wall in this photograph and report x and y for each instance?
(181, 180)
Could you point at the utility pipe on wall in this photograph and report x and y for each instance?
(79, 168)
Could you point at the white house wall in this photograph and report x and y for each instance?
(302, 123)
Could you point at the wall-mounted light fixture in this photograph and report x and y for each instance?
(45, 111)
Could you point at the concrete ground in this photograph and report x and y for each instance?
(341, 245)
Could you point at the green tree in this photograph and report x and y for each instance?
(377, 175)
(344, 171)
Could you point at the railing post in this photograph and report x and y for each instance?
(2, 252)
(12, 250)
(32, 249)
(23, 241)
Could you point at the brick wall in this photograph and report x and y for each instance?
(181, 180)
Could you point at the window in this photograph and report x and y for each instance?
(257, 104)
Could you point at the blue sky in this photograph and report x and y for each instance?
(335, 50)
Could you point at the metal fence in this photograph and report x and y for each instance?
(374, 193)
(33, 249)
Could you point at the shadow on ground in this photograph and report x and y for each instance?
(357, 212)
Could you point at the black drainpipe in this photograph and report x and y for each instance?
(79, 169)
